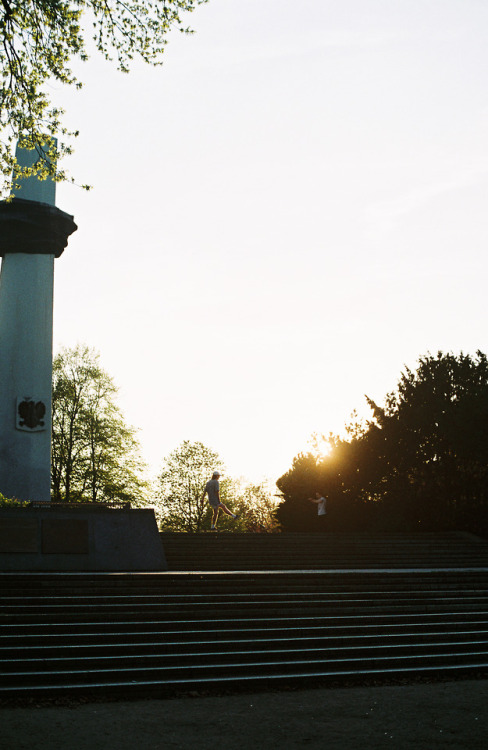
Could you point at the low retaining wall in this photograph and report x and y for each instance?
(220, 551)
(80, 539)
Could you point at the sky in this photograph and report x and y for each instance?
(285, 215)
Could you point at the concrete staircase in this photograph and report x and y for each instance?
(228, 551)
(157, 633)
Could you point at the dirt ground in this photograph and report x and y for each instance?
(421, 716)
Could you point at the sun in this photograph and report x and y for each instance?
(321, 446)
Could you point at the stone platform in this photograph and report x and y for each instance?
(79, 538)
(224, 551)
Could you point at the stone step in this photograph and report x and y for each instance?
(89, 633)
(234, 654)
(74, 681)
(158, 643)
(94, 611)
(240, 551)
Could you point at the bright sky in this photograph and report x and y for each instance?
(287, 212)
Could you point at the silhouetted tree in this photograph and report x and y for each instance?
(420, 462)
(433, 430)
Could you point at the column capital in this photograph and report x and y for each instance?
(34, 228)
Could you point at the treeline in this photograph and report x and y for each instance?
(96, 457)
(419, 463)
(179, 501)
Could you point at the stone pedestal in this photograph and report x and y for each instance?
(80, 538)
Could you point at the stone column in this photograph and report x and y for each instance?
(32, 233)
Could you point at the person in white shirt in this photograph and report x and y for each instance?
(320, 502)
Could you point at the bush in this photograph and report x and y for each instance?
(10, 502)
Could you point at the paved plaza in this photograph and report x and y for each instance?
(422, 716)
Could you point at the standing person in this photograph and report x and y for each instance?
(212, 489)
(321, 504)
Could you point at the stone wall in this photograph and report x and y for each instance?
(80, 538)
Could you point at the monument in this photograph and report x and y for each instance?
(33, 232)
(44, 536)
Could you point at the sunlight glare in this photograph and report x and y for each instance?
(321, 446)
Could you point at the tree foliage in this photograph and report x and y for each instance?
(254, 503)
(39, 41)
(95, 454)
(181, 482)
(420, 462)
(180, 502)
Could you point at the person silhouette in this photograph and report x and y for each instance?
(321, 503)
(212, 490)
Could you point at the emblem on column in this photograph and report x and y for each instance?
(30, 414)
